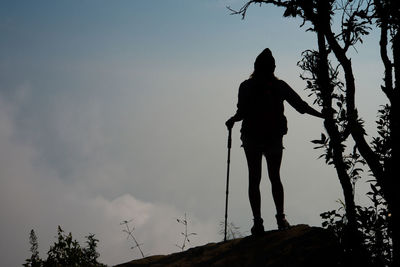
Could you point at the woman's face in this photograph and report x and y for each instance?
(268, 68)
(265, 64)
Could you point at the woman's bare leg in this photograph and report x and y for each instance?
(274, 164)
(254, 157)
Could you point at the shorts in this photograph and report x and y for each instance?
(269, 147)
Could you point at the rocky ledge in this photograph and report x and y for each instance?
(301, 245)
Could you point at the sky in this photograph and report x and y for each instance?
(115, 110)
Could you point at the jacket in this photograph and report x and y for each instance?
(260, 106)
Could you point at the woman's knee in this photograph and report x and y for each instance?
(275, 180)
(255, 174)
(254, 180)
(254, 190)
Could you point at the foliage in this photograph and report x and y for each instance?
(373, 223)
(65, 252)
(34, 260)
(382, 143)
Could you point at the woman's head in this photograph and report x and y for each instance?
(264, 66)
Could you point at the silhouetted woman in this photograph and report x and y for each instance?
(260, 107)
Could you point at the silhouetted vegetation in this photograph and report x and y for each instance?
(232, 231)
(129, 231)
(373, 224)
(34, 260)
(64, 252)
(372, 221)
(185, 233)
(360, 228)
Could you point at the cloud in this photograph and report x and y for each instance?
(88, 159)
(34, 196)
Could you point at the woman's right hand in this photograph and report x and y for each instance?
(229, 123)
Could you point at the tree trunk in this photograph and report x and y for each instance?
(352, 236)
(392, 172)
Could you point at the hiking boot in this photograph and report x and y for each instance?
(258, 227)
(282, 222)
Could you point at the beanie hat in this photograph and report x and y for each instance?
(265, 62)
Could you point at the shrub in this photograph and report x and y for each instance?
(66, 251)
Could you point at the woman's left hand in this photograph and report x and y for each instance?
(229, 123)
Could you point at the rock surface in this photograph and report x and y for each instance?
(300, 245)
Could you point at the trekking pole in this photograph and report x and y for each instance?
(227, 179)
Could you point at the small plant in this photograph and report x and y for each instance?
(64, 252)
(185, 234)
(129, 231)
(34, 260)
(232, 231)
